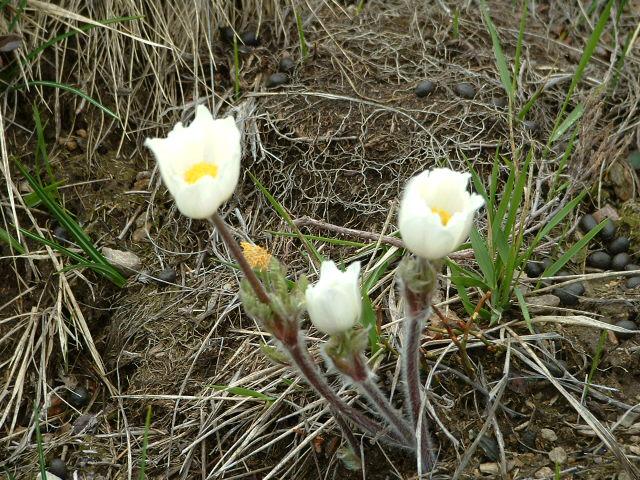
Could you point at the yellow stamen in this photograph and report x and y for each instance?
(200, 170)
(444, 215)
(258, 257)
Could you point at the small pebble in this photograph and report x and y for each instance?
(465, 90)
(250, 39)
(601, 260)
(499, 102)
(79, 397)
(630, 267)
(167, 275)
(633, 282)
(618, 245)
(629, 325)
(127, 262)
(558, 455)
(609, 230)
(286, 65)
(620, 261)
(227, 34)
(424, 88)
(533, 269)
(544, 472)
(529, 438)
(58, 467)
(588, 223)
(276, 79)
(491, 468)
(548, 435)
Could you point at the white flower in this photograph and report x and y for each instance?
(334, 303)
(436, 212)
(199, 164)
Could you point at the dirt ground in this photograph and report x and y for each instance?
(84, 360)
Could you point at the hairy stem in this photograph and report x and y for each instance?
(411, 372)
(309, 370)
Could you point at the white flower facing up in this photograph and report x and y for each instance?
(436, 212)
(199, 164)
(334, 303)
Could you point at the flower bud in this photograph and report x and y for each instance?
(334, 303)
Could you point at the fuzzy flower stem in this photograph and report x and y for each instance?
(411, 371)
(236, 251)
(295, 346)
(300, 356)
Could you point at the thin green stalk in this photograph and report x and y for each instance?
(145, 445)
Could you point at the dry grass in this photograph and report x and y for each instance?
(336, 144)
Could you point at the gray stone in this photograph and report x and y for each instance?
(127, 262)
(558, 455)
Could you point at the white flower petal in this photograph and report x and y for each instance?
(201, 199)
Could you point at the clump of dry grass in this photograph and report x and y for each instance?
(336, 144)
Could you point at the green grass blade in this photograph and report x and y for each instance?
(7, 238)
(524, 309)
(571, 252)
(483, 257)
(319, 238)
(456, 23)
(39, 444)
(568, 122)
(501, 60)
(69, 88)
(244, 392)
(287, 218)
(304, 48)
(369, 321)
(16, 17)
(72, 227)
(145, 445)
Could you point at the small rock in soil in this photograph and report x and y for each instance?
(631, 267)
(465, 90)
(227, 34)
(606, 212)
(58, 467)
(533, 269)
(276, 79)
(529, 438)
(548, 435)
(84, 424)
(618, 245)
(629, 325)
(499, 102)
(601, 260)
(168, 275)
(633, 282)
(79, 397)
(609, 230)
(588, 223)
(544, 472)
(542, 303)
(286, 65)
(558, 455)
(250, 39)
(127, 262)
(620, 261)
(424, 88)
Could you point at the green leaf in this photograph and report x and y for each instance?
(483, 258)
(69, 88)
(524, 309)
(501, 60)
(244, 392)
(634, 159)
(568, 122)
(287, 218)
(369, 321)
(7, 238)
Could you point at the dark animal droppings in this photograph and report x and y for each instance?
(58, 468)
(620, 261)
(465, 90)
(588, 223)
(618, 245)
(601, 260)
(276, 79)
(424, 88)
(609, 230)
(629, 325)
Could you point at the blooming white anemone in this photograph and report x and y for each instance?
(334, 303)
(436, 212)
(199, 164)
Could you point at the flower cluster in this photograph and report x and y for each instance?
(200, 166)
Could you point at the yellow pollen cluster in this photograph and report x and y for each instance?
(257, 257)
(444, 215)
(200, 170)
